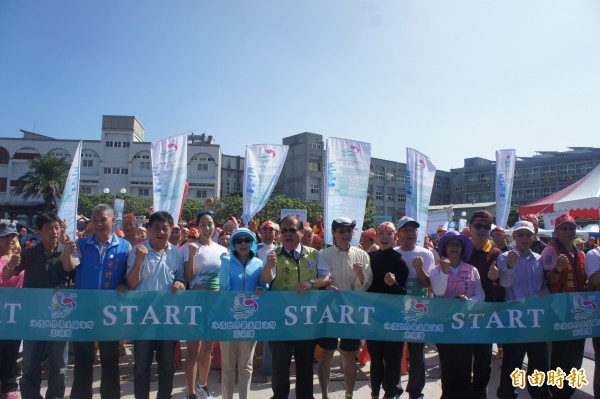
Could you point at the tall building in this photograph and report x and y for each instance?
(536, 177)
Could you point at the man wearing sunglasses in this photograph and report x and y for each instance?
(564, 267)
(294, 267)
(522, 275)
(484, 259)
(350, 271)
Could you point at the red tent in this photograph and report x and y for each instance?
(580, 199)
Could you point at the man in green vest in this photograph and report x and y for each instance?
(294, 267)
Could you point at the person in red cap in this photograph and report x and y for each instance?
(564, 268)
(129, 225)
(269, 235)
(484, 260)
(538, 245)
(499, 238)
(367, 240)
(390, 273)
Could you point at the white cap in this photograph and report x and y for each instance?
(524, 225)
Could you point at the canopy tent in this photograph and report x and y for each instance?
(580, 199)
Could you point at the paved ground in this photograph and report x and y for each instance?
(261, 387)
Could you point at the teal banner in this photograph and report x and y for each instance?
(91, 315)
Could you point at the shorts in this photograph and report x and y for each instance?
(346, 344)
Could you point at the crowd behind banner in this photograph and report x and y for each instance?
(394, 289)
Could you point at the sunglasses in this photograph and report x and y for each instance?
(243, 240)
(205, 212)
(479, 226)
(290, 230)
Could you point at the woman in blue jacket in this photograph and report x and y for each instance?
(240, 271)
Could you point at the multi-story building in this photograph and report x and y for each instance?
(536, 177)
(120, 160)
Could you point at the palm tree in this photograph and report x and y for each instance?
(46, 178)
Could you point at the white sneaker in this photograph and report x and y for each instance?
(203, 392)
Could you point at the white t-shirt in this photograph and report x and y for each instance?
(263, 250)
(207, 264)
(428, 264)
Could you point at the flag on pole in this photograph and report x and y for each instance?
(505, 171)
(169, 174)
(347, 180)
(420, 174)
(263, 167)
(67, 210)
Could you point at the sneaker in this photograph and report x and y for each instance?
(203, 392)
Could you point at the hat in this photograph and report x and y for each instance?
(129, 216)
(387, 226)
(7, 229)
(404, 220)
(342, 221)
(467, 250)
(524, 225)
(562, 219)
(194, 233)
(482, 214)
(370, 233)
(532, 218)
(498, 228)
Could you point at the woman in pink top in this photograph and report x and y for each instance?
(455, 279)
(9, 349)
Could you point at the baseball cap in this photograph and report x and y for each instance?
(387, 226)
(404, 220)
(129, 216)
(370, 233)
(7, 229)
(562, 219)
(342, 221)
(482, 214)
(524, 225)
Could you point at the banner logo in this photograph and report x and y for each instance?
(62, 306)
(244, 308)
(266, 156)
(170, 151)
(583, 308)
(352, 151)
(413, 310)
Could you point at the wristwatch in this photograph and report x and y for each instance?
(312, 282)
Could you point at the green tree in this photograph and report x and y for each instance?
(46, 178)
(370, 212)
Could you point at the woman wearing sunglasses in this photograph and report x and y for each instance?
(202, 267)
(239, 272)
(455, 278)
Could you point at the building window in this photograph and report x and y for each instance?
(109, 143)
(85, 190)
(314, 188)
(484, 177)
(126, 144)
(401, 179)
(203, 167)
(402, 198)
(316, 146)
(378, 195)
(201, 193)
(107, 171)
(87, 163)
(548, 170)
(313, 166)
(118, 144)
(144, 191)
(145, 165)
(458, 188)
(3, 184)
(378, 175)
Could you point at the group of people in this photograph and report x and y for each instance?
(278, 257)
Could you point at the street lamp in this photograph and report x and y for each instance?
(106, 190)
(123, 191)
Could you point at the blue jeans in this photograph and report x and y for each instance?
(143, 352)
(33, 355)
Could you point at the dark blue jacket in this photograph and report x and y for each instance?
(101, 274)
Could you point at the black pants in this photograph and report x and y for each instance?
(281, 352)
(143, 353)
(83, 374)
(537, 355)
(385, 367)
(596, 343)
(456, 362)
(9, 352)
(566, 355)
(482, 370)
(416, 369)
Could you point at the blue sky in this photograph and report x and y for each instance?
(452, 79)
